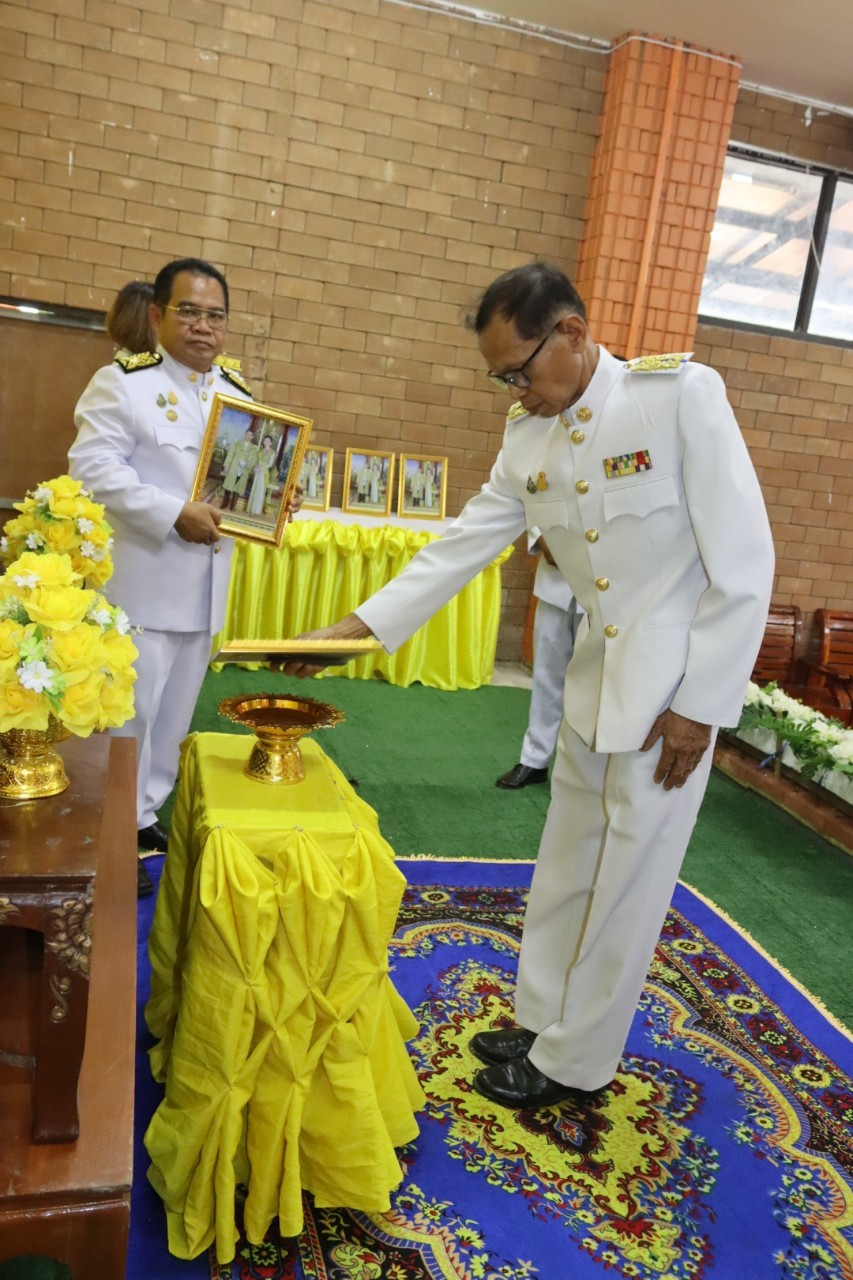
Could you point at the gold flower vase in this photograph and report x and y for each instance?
(30, 767)
(278, 721)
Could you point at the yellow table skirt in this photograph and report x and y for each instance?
(325, 569)
(280, 1035)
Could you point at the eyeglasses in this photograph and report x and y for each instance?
(517, 378)
(191, 315)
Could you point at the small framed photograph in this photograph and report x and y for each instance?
(368, 481)
(251, 458)
(423, 486)
(315, 477)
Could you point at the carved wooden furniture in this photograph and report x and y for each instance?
(67, 973)
(829, 678)
(779, 656)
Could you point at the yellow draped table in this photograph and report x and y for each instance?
(325, 569)
(280, 1037)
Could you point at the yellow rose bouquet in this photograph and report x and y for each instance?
(60, 516)
(65, 651)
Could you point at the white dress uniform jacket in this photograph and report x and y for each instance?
(647, 498)
(139, 436)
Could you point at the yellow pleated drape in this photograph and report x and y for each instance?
(280, 1037)
(325, 569)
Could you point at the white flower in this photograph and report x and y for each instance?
(84, 525)
(34, 541)
(87, 548)
(752, 696)
(122, 623)
(101, 615)
(4, 544)
(37, 676)
(43, 493)
(843, 750)
(97, 554)
(26, 579)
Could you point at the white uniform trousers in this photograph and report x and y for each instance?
(169, 674)
(553, 640)
(608, 862)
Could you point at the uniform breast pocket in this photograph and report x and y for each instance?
(546, 513)
(642, 499)
(170, 437)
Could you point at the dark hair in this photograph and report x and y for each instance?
(196, 267)
(531, 297)
(128, 322)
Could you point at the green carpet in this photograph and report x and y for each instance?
(427, 761)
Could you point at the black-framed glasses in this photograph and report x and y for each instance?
(189, 314)
(517, 378)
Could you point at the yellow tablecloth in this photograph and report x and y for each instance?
(325, 569)
(280, 1035)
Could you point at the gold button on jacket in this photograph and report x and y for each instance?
(578, 437)
(591, 535)
(582, 486)
(611, 631)
(602, 583)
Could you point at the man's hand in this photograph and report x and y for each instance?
(294, 502)
(349, 628)
(684, 744)
(198, 522)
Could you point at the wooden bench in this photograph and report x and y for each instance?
(779, 656)
(829, 677)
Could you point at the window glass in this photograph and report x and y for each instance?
(760, 243)
(832, 310)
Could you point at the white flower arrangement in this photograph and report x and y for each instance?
(820, 745)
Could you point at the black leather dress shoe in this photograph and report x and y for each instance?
(521, 776)
(144, 883)
(153, 839)
(496, 1047)
(520, 1084)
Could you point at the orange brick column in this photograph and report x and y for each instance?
(653, 192)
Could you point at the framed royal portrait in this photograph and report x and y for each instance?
(251, 459)
(368, 481)
(315, 476)
(422, 488)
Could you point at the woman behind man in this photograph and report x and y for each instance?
(128, 320)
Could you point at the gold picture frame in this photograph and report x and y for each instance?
(368, 482)
(315, 476)
(251, 456)
(422, 487)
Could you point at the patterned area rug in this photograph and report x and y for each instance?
(723, 1148)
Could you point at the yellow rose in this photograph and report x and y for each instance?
(59, 608)
(51, 570)
(80, 707)
(60, 536)
(67, 507)
(116, 702)
(79, 650)
(98, 573)
(21, 708)
(119, 653)
(63, 486)
(11, 635)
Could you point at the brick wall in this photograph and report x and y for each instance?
(360, 170)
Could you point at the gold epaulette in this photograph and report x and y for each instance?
(236, 379)
(516, 410)
(143, 360)
(229, 362)
(674, 362)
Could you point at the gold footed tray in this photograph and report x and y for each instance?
(278, 721)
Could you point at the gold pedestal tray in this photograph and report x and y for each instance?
(29, 766)
(278, 721)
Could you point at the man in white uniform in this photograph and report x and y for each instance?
(639, 480)
(554, 627)
(140, 424)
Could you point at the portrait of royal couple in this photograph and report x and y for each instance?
(250, 466)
